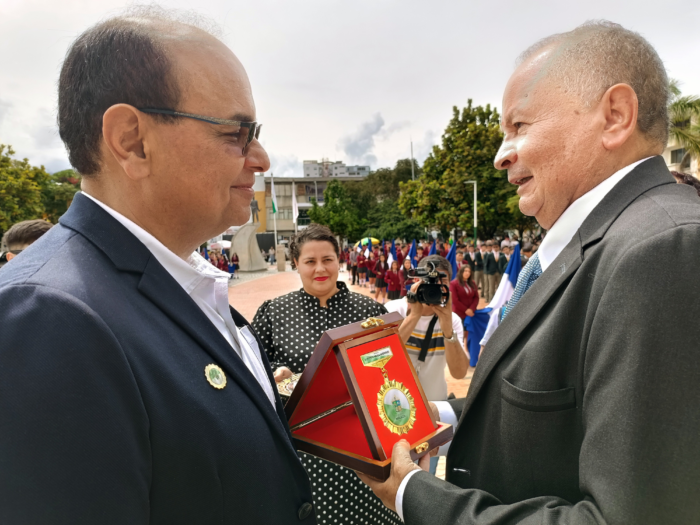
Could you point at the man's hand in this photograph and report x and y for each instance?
(282, 373)
(416, 309)
(401, 465)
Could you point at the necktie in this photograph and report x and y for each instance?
(527, 277)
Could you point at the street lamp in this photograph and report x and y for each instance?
(474, 183)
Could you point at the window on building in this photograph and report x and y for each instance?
(677, 155)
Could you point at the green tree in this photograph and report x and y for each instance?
(58, 193)
(21, 189)
(684, 114)
(387, 221)
(442, 198)
(337, 212)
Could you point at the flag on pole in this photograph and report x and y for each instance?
(452, 257)
(206, 254)
(412, 254)
(274, 197)
(433, 248)
(485, 322)
(392, 254)
(295, 206)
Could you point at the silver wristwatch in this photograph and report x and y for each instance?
(452, 339)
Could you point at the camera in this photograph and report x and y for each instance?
(431, 291)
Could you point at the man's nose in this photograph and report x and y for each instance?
(257, 160)
(505, 157)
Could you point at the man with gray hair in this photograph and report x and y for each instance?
(130, 392)
(583, 408)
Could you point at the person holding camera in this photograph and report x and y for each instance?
(432, 332)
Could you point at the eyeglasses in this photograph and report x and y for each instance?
(245, 132)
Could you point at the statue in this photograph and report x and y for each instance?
(254, 209)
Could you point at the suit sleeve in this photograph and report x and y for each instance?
(458, 306)
(640, 454)
(74, 433)
(474, 303)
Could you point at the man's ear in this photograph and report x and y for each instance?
(9, 256)
(124, 129)
(620, 106)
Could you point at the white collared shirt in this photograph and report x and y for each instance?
(554, 242)
(561, 233)
(208, 288)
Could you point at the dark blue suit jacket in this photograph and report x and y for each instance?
(105, 413)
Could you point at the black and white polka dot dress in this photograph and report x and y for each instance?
(289, 327)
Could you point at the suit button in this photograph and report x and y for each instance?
(305, 511)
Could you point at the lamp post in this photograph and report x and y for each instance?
(475, 222)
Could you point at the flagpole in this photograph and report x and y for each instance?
(413, 174)
(295, 208)
(274, 215)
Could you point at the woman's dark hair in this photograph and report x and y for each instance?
(684, 178)
(397, 265)
(460, 277)
(314, 232)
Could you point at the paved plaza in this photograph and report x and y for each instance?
(253, 289)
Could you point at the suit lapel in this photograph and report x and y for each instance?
(519, 318)
(128, 254)
(160, 287)
(644, 177)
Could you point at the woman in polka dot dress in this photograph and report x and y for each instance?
(289, 327)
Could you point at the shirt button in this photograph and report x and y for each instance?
(305, 511)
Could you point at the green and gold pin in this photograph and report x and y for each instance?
(215, 376)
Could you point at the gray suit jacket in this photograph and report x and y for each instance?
(584, 406)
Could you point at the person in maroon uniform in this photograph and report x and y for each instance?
(362, 267)
(393, 282)
(404, 279)
(371, 263)
(380, 270)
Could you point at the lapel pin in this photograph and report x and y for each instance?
(215, 376)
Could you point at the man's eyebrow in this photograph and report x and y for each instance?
(242, 117)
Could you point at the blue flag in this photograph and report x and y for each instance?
(433, 248)
(206, 254)
(452, 257)
(485, 322)
(392, 254)
(412, 253)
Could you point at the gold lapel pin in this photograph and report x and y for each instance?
(215, 376)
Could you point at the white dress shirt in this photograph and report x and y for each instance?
(208, 288)
(559, 235)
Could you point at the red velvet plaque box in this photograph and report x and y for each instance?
(358, 396)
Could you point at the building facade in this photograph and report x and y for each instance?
(674, 155)
(330, 169)
(306, 188)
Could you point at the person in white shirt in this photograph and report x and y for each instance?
(434, 338)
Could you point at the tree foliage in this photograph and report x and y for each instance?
(443, 198)
(29, 192)
(368, 208)
(21, 186)
(337, 212)
(684, 115)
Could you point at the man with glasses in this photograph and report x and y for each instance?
(144, 398)
(20, 236)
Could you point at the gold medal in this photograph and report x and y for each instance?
(395, 403)
(215, 376)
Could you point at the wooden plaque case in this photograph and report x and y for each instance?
(355, 436)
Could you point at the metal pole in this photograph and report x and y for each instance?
(274, 215)
(296, 221)
(475, 213)
(413, 173)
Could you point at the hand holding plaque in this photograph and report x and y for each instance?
(359, 396)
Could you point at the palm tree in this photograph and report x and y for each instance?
(684, 114)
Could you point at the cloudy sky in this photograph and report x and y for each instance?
(348, 80)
